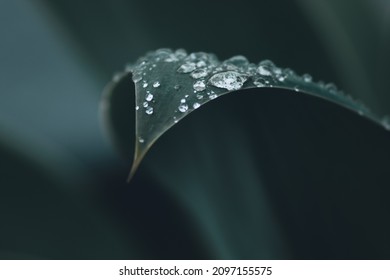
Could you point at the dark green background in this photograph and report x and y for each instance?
(262, 174)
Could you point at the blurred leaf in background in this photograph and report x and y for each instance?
(308, 181)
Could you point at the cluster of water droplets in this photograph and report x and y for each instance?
(196, 78)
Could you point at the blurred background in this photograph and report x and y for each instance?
(265, 176)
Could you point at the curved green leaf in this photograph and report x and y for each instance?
(171, 84)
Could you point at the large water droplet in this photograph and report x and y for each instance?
(200, 85)
(229, 80)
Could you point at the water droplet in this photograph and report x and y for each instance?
(196, 105)
(307, 78)
(141, 140)
(149, 97)
(156, 84)
(199, 96)
(199, 73)
(176, 87)
(149, 110)
(266, 68)
(201, 63)
(136, 108)
(145, 104)
(263, 71)
(183, 107)
(213, 96)
(187, 67)
(145, 84)
(183, 101)
(200, 85)
(296, 88)
(229, 80)
(260, 82)
(331, 88)
(171, 58)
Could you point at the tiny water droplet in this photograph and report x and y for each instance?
(229, 80)
(156, 84)
(145, 104)
(183, 107)
(149, 110)
(213, 96)
(149, 97)
(196, 105)
(141, 140)
(200, 85)
(296, 88)
(199, 96)
(331, 88)
(136, 108)
(183, 101)
(145, 84)
(176, 87)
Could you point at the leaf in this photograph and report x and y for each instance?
(169, 85)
